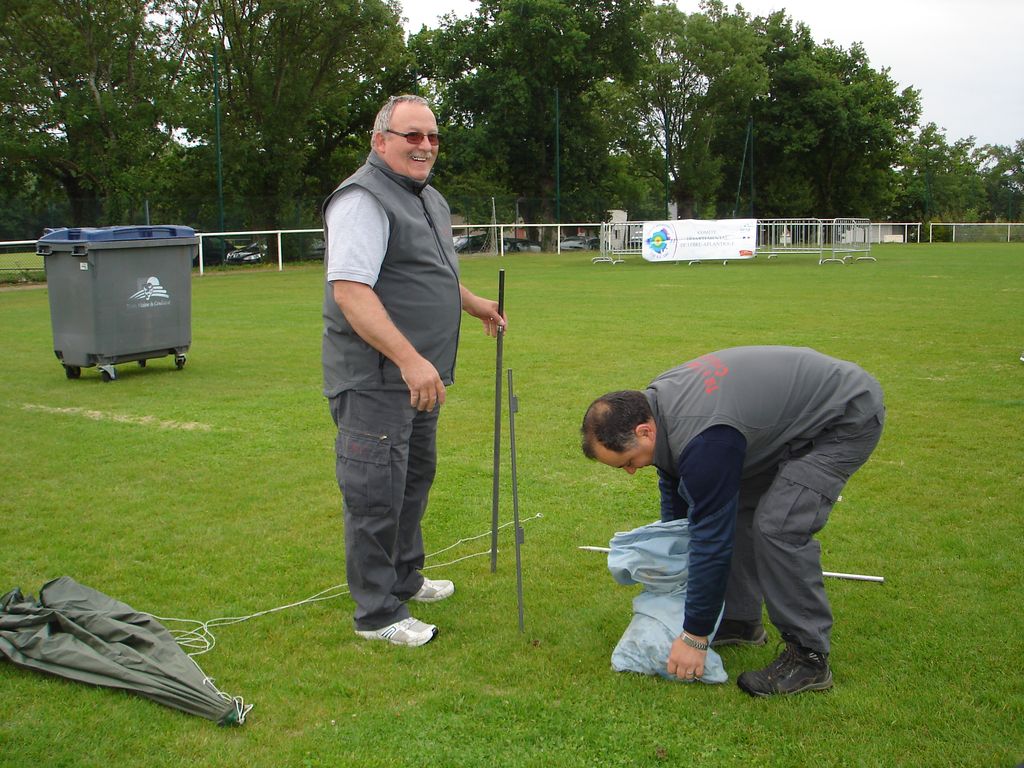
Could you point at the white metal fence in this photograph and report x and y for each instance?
(939, 232)
(829, 239)
(19, 257)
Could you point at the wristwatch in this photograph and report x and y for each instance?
(693, 642)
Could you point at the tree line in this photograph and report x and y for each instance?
(244, 114)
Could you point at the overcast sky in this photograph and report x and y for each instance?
(966, 57)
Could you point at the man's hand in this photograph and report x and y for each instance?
(426, 390)
(685, 662)
(484, 309)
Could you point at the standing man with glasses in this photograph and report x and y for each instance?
(392, 311)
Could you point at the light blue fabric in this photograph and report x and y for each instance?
(656, 556)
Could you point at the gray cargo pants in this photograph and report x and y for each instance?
(775, 558)
(386, 459)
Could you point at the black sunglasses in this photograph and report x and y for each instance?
(416, 137)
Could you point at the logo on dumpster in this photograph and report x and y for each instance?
(152, 294)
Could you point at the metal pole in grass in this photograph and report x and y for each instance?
(830, 574)
(497, 423)
(513, 407)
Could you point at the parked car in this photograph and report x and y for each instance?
(580, 243)
(470, 243)
(316, 249)
(214, 251)
(521, 244)
(482, 242)
(250, 254)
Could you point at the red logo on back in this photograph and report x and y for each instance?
(712, 369)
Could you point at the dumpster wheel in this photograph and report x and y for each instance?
(72, 371)
(179, 361)
(107, 372)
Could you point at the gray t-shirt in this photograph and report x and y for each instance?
(357, 236)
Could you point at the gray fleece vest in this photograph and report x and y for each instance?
(418, 286)
(779, 398)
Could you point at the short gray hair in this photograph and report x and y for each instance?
(383, 121)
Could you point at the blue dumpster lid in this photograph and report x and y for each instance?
(109, 234)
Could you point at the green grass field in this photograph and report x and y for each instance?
(210, 492)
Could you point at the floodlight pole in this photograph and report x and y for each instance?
(220, 165)
(747, 143)
(497, 423)
(750, 128)
(558, 160)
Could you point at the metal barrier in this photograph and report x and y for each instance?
(618, 239)
(778, 237)
(850, 240)
(838, 240)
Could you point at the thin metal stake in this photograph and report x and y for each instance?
(497, 424)
(513, 407)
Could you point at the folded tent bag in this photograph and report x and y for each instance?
(656, 556)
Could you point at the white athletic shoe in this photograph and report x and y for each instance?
(432, 591)
(409, 632)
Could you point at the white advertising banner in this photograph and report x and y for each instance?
(696, 240)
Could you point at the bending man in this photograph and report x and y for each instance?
(753, 445)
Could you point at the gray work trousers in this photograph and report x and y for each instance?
(775, 560)
(386, 459)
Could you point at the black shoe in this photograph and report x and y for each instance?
(796, 670)
(734, 632)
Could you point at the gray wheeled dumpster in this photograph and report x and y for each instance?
(119, 294)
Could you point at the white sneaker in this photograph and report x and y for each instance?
(409, 632)
(432, 591)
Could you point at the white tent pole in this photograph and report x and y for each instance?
(832, 574)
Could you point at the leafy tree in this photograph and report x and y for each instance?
(28, 203)
(84, 92)
(940, 181)
(1002, 172)
(300, 82)
(699, 72)
(829, 131)
(552, 109)
(500, 77)
(113, 102)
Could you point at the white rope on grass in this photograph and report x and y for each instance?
(197, 637)
(241, 708)
(200, 639)
(472, 538)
